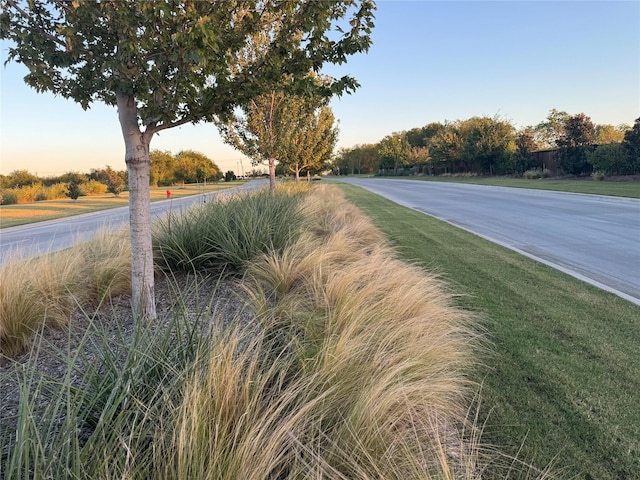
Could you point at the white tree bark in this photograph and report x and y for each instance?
(139, 168)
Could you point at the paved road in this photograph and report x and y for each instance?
(39, 238)
(592, 237)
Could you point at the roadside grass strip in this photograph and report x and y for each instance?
(629, 189)
(563, 386)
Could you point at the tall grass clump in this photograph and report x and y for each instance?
(227, 231)
(380, 342)
(45, 290)
(103, 418)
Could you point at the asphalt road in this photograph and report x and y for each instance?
(28, 241)
(591, 237)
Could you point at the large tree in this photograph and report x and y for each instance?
(487, 144)
(394, 151)
(577, 138)
(165, 63)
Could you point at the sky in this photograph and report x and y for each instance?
(429, 62)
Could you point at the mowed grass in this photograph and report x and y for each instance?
(613, 188)
(22, 214)
(564, 384)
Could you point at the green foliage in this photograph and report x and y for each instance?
(525, 145)
(75, 177)
(8, 197)
(606, 134)
(358, 159)
(93, 187)
(487, 144)
(394, 152)
(611, 159)
(73, 190)
(115, 182)
(194, 167)
(166, 63)
(227, 232)
(548, 132)
(576, 140)
(631, 144)
(229, 176)
(21, 178)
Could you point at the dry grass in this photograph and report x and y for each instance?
(46, 289)
(355, 366)
(360, 370)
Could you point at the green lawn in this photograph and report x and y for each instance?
(25, 213)
(563, 384)
(613, 188)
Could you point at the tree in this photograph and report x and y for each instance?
(577, 137)
(21, 178)
(68, 177)
(548, 132)
(310, 138)
(446, 145)
(257, 131)
(73, 190)
(229, 176)
(167, 63)
(394, 151)
(631, 144)
(525, 145)
(115, 182)
(162, 168)
(194, 167)
(487, 144)
(606, 134)
(609, 158)
(361, 158)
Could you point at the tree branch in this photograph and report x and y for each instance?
(40, 30)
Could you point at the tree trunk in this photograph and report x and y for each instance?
(297, 171)
(272, 175)
(139, 168)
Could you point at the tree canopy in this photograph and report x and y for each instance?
(165, 63)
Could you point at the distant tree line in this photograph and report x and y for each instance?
(493, 146)
(21, 186)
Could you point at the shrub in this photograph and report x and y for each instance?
(8, 197)
(93, 187)
(73, 190)
(610, 159)
(533, 174)
(598, 175)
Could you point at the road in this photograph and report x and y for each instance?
(28, 241)
(591, 237)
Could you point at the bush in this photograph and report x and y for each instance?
(93, 187)
(598, 175)
(73, 190)
(533, 173)
(610, 159)
(8, 197)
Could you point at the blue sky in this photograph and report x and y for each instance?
(430, 62)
